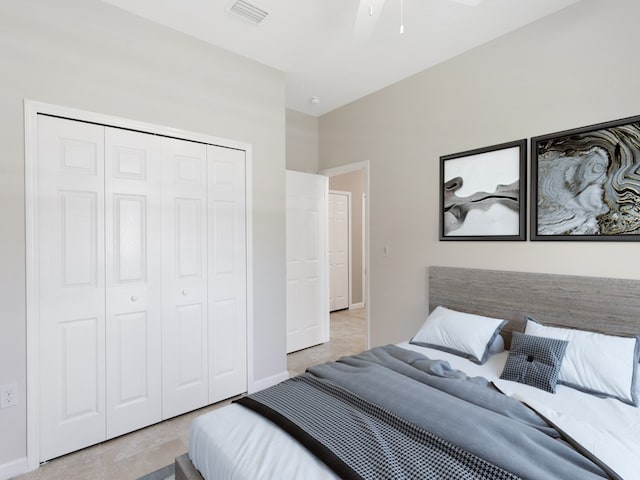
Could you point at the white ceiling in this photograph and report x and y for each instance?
(313, 42)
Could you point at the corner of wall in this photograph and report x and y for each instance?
(13, 468)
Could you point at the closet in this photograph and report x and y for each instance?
(140, 244)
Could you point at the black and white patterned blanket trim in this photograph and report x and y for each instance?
(323, 453)
(338, 426)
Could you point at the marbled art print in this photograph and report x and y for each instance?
(482, 193)
(586, 183)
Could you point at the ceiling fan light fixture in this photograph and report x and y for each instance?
(366, 19)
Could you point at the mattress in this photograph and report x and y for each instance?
(236, 443)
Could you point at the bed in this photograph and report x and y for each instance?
(512, 429)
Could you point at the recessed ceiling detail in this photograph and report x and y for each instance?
(248, 11)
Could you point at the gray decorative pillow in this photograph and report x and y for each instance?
(535, 361)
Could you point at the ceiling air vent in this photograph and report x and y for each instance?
(249, 11)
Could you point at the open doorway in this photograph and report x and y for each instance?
(354, 178)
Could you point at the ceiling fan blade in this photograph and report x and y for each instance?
(366, 19)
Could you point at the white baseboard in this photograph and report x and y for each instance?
(356, 306)
(268, 382)
(14, 468)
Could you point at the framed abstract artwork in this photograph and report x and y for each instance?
(586, 183)
(483, 192)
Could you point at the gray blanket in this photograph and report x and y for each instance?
(466, 413)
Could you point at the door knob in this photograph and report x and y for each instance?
(184, 292)
(134, 298)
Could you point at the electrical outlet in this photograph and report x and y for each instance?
(8, 395)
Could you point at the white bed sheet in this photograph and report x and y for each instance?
(606, 427)
(234, 442)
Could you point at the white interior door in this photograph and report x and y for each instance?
(227, 294)
(133, 296)
(339, 250)
(306, 224)
(184, 274)
(70, 254)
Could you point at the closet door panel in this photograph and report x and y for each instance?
(70, 262)
(184, 273)
(133, 256)
(227, 273)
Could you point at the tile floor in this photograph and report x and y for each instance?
(348, 337)
(135, 454)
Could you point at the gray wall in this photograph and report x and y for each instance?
(91, 56)
(572, 69)
(302, 142)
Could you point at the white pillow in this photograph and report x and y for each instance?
(463, 334)
(595, 363)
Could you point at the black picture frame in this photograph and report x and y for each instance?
(492, 206)
(585, 183)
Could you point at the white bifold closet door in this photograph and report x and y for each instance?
(204, 275)
(99, 284)
(227, 273)
(71, 271)
(142, 280)
(184, 275)
(133, 283)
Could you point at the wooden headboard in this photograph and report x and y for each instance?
(606, 305)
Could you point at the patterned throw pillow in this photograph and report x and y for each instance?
(534, 361)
